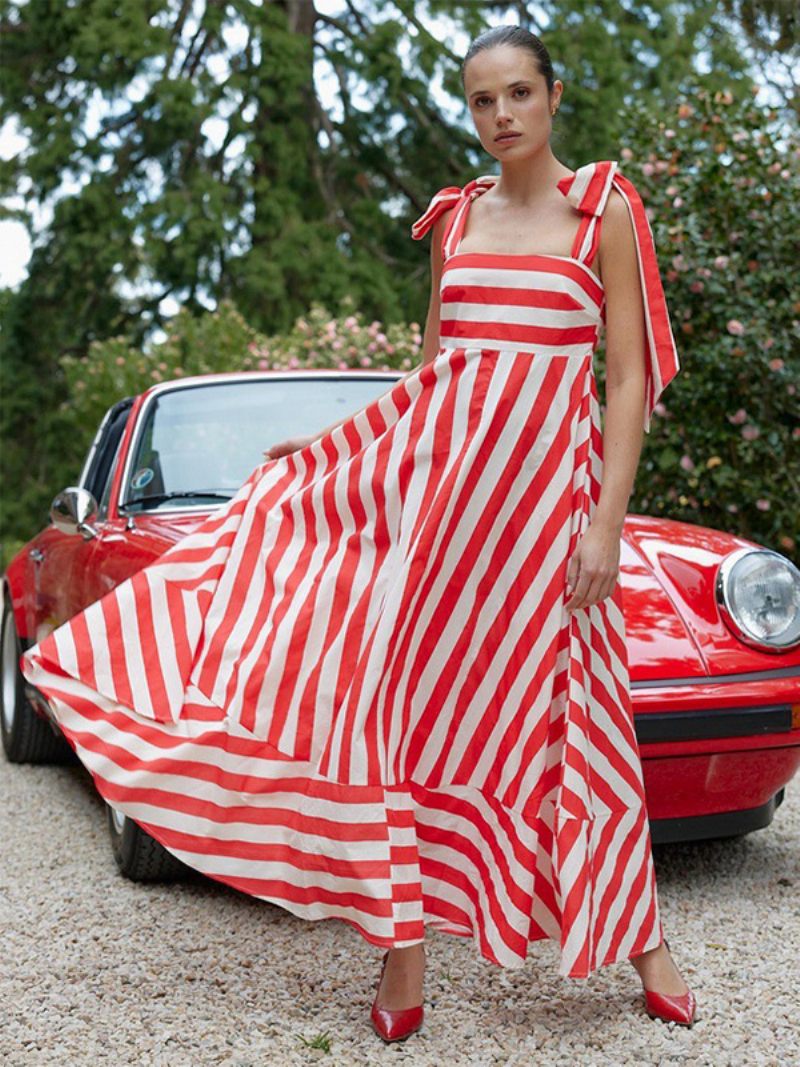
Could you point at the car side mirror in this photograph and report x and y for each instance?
(73, 511)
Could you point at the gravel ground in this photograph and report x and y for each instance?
(100, 971)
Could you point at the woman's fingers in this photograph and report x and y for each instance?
(291, 444)
(591, 589)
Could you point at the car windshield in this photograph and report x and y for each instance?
(199, 444)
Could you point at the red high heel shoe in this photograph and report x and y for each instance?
(394, 1025)
(671, 1008)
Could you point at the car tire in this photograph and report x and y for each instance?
(27, 736)
(138, 855)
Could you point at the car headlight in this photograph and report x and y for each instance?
(758, 592)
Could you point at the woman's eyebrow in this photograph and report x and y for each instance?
(510, 85)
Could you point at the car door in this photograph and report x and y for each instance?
(119, 550)
(61, 563)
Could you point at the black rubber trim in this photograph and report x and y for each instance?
(657, 726)
(722, 824)
(715, 679)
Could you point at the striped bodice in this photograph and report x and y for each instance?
(548, 304)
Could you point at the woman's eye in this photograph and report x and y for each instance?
(521, 89)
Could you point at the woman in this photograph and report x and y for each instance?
(387, 683)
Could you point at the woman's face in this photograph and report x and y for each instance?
(506, 93)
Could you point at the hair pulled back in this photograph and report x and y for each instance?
(517, 37)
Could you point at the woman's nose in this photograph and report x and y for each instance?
(503, 111)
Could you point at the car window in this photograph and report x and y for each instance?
(100, 462)
(206, 440)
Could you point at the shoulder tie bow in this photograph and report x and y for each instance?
(588, 190)
(447, 198)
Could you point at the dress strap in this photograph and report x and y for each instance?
(452, 196)
(588, 190)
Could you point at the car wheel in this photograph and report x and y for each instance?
(27, 736)
(138, 855)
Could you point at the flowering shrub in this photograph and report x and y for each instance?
(722, 189)
(222, 341)
(317, 340)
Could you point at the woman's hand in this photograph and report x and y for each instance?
(594, 567)
(291, 444)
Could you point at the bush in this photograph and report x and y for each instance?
(722, 185)
(222, 341)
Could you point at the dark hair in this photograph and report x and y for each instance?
(518, 37)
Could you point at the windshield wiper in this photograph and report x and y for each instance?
(176, 494)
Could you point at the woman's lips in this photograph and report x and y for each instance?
(506, 137)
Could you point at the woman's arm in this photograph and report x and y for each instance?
(594, 568)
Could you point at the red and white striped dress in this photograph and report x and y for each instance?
(355, 691)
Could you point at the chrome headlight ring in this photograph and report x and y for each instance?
(758, 595)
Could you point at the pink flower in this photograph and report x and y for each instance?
(263, 364)
(750, 432)
(294, 362)
(679, 262)
(648, 169)
(738, 417)
(686, 463)
(678, 201)
(776, 364)
(697, 287)
(672, 190)
(768, 343)
(660, 409)
(735, 327)
(626, 153)
(733, 508)
(721, 262)
(120, 361)
(366, 361)
(341, 365)
(762, 504)
(669, 133)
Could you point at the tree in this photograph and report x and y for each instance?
(187, 152)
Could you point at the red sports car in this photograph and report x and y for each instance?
(713, 620)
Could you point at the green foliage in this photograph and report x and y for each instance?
(221, 341)
(722, 183)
